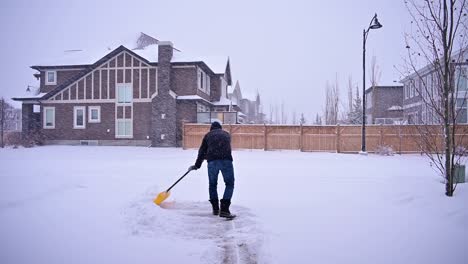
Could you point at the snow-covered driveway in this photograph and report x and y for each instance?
(94, 205)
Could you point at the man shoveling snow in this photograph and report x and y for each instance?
(216, 149)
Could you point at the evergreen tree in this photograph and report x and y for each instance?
(355, 115)
(302, 121)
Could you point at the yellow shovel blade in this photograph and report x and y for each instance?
(161, 197)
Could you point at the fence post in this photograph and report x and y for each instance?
(301, 139)
(399, 139)
(338, 150)
(381, 135)
(265, 135)
(184, 136)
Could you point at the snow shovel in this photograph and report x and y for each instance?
(163, 195)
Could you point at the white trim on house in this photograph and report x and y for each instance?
(90, 119)
(208, 84)
(172, 93)
(156, 72)
(47, 82)
(95, 101)
(75, 110)
(143, 100)
(412, 105)
(201, 80)
(139, 80)
(68, 69)
(44, 125)
(92, 84)
(184, 66)
(84, 86)
(148, 83)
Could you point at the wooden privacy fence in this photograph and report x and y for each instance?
(339, 138)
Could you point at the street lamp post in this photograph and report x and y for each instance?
(374, 24)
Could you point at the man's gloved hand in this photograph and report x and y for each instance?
(193, 167)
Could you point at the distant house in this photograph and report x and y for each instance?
(139, 93)
(384, 105)
(420, 86)
(12, 117)
(251, 111)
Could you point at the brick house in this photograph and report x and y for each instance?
(137, 94)
(384, 105)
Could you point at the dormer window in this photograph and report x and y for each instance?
(51, 78)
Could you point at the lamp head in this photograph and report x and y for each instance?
(376, 24)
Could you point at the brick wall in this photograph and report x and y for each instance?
(184, 81)
(186, 112)
(104, 130)
(62, 76)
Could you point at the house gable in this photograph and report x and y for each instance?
(97, 83)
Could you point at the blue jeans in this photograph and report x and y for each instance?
(226, 168)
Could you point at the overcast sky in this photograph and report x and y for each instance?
(287, 50)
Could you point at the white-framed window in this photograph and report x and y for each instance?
(208, 84)
(94, 114)
(124, 128)
(50, 77)
(404, 91)
(49, 117)
(200, 79)
(429, 86)
(124, 93)
(79, 117)
(461, 78)
(203, 81)
(461, 110)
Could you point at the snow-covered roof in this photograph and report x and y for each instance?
(241, 114)
(31, 90)
(191, 97)
(142, 44)
(27, 95)
(224, 101)
(395, 108)
(73, 57)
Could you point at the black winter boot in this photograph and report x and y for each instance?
(215, 204)
(225, 203)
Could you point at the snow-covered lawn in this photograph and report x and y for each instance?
(94, 205)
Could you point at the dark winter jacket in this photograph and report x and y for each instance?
(216, 145)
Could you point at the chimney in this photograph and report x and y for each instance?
(165, 51)
(163, 109)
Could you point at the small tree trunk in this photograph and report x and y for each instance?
(448, 138)
(2, 121)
